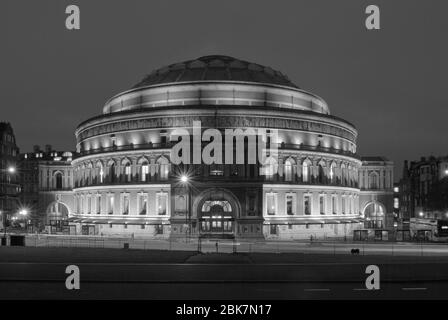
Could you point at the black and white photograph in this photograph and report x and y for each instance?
(223, 157)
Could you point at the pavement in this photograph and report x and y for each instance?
(229, 246)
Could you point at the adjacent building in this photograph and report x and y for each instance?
(9, 183)
(418, 181)
(47, 187)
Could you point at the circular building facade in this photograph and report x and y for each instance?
(128, 178)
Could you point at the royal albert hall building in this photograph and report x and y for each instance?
(126, 184)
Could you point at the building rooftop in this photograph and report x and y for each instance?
(375, 159)
(215, 67)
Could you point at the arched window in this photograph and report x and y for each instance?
(127, 172)
(163, 168)
(374, 216)
(112, 176)
(305, 172)
(144, 171)
(270, 168)
(344, 175)
(321, 173)
(332, 173)
(99, 173)
(58, 181)
(288, 170)
(89, 169)
(82, 175)
(373, 181)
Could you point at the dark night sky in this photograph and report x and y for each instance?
(391, 84)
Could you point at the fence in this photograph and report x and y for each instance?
(236, 246)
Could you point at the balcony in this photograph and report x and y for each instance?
(170, 144)
(203, 179)
(127, 147)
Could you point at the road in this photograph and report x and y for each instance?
(39, 273)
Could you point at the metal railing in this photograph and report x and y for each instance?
(170, 144)
(316, 246)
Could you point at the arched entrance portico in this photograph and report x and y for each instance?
(217, 210)
(374, 215)
(57, 217)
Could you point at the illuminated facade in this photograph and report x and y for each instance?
(9, 182)
(47, 188)
(125, 182)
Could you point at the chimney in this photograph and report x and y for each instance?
(48, 148)
(36, 148)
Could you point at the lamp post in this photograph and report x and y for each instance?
(185, 180)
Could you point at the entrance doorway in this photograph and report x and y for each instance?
(216, 219)
(374, 214)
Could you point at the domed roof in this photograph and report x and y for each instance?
(215, 67)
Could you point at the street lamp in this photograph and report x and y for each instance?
(185, 180)
(24, 212)
(11, 169)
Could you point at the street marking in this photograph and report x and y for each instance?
(316, 289)
(409, 289)
(362, 289)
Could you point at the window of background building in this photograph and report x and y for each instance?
(252, 202)
(373, 181)
(58, 180)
